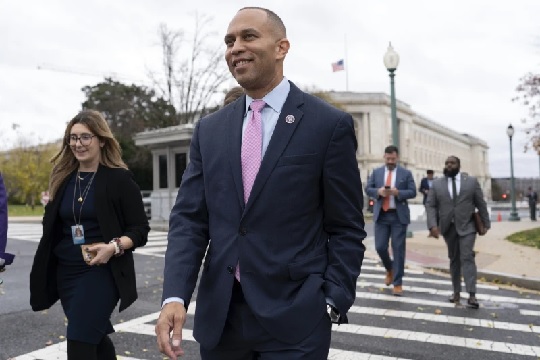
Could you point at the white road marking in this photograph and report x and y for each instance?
(428, 281)
(447, 319)
(470, 343)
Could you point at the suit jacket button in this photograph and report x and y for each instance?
(243, 231)
(230, 269)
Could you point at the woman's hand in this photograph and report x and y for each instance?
(103, 253)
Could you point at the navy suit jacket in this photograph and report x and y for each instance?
(424, 185)
(299, 237)
(405, 185)
(4, 224)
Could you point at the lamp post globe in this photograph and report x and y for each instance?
(513, 213)
(391, 61)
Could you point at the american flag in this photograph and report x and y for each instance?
(338, 65)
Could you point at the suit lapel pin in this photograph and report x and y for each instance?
(289, 119)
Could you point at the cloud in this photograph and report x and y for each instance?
(460, 60)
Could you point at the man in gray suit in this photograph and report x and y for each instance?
(391, 185)
(453, 199)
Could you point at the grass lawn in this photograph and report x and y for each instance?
(528, 237)
(23, 210)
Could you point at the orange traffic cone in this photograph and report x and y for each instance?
(499, 217)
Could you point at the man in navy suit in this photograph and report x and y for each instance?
(286, 249)
(391, 185)
(425, 185)
(5, 258)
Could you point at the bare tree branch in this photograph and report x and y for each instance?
(192, 72)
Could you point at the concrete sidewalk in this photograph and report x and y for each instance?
(497, 259)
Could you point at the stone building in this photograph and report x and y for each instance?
(424, 144)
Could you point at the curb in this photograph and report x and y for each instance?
(25, 219)
(501, 278)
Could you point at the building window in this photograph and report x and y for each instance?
(162, 163)
(179, 168)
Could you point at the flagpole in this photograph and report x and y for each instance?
(346, 66)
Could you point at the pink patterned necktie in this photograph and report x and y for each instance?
(251, 154)
(252, 147)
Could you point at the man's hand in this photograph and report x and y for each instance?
(482, 233)
(383, 192)
(172, 318)
(434, 231)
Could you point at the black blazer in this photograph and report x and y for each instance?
(120, 211)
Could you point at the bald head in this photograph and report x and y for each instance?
(275, 21)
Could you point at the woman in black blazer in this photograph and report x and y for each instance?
(92, 224)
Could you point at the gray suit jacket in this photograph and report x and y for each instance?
(440, 206)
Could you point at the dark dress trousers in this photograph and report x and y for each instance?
(299, 237)
(119, 211)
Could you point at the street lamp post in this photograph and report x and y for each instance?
(513, 214)
(391, 61)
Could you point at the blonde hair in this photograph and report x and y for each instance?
(64, 162)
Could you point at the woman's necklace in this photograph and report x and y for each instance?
(80, 177)
(84, 193)
(77, 230)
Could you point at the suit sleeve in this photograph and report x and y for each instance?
(410, 191)
(432, 206)
(188, 229)
(371, 188)
(3, 216)
(135, 221)
(481, 205)
(343, 218)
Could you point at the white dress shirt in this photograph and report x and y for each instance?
(458, 184)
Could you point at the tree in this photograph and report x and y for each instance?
(528, 91)
(26, 170)
(130, 109)
(193, 71)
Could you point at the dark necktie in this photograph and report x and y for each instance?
(454, 191)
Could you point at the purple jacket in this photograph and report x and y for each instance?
(4, 224)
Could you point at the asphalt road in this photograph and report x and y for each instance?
(421, 325)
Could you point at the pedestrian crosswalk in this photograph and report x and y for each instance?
(421, 325)
(156, 245)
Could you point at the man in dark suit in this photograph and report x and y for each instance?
(451, 203)
(273, 181)
(425, 185)
(391, 185)
(5, 258)
(533, 200)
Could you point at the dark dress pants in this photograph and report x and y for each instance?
(244, 338)
(388, 226)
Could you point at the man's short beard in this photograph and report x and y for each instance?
(450, 173)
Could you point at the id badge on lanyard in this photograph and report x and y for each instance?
(77, 234)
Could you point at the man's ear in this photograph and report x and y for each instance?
(283, 46)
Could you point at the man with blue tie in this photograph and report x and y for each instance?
(273, 181)
(391, 185)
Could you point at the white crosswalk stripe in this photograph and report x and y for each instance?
(156, 245)
(423, 318)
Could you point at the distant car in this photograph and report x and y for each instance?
(147, 202)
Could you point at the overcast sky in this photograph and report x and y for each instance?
(460, 60)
